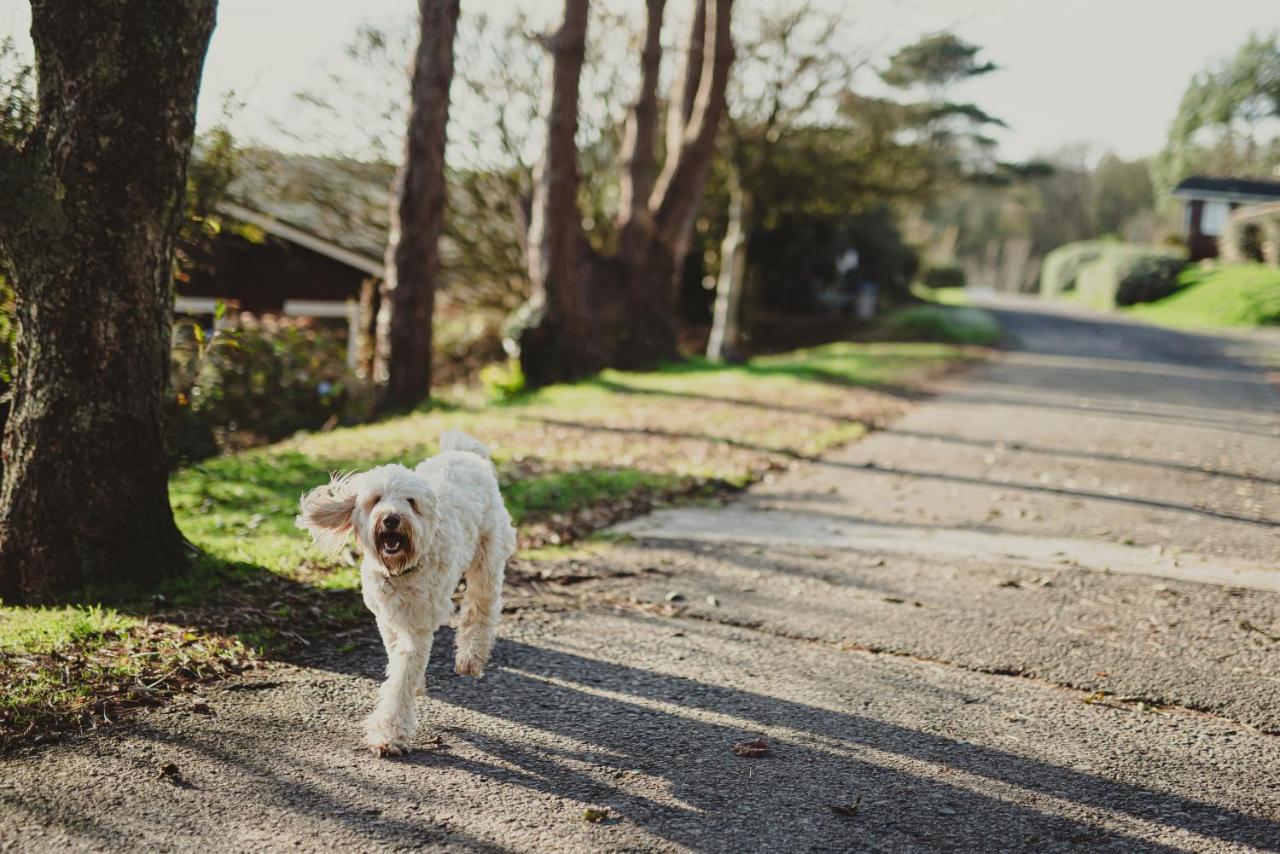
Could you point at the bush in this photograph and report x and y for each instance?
(943, 323)
(1125, 274)
(943, 276)
(1061, 268)
(267, 379)
(1148, 278)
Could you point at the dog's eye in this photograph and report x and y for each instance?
(413, 505)
(375, 500)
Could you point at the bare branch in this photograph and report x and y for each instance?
(685, 87)
(678, 192)
(638, 159)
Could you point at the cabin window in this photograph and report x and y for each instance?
(1213, 220)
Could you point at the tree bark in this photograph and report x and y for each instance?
(89, 242)
(555, 339)
(589, 311)
(654, 249)
(417, 217)
(638, 160)
(725, 342)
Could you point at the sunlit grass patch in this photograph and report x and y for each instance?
(1232, 295)
(960, 325)
(43, 629)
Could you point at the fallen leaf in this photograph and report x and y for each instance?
(751, 749)
(171, 773)
(202, 708)
(595, 815)
(892, 600)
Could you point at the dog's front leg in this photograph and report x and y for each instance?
(391, 727)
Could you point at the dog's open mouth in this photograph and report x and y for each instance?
(391, 543)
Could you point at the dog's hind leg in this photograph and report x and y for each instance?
(482, 601)
(394, 720)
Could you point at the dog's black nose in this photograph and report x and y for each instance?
(391, 522)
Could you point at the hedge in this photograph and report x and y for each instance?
(1108, 273)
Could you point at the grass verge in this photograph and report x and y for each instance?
(1228, 296)
(572, 459)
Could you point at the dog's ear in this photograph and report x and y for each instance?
(327, 512)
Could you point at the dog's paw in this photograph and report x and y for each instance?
(469, 665)
(384, 739)
(390, 748)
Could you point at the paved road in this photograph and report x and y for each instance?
(1038, 613)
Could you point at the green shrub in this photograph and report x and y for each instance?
(1148, 278)
(1061, 268)
(266, 380)
(943, 276)
(1147, 269)
(943, 323)
(503, 380)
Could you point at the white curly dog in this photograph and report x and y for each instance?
(421, 530)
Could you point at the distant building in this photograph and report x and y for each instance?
(1208, 203)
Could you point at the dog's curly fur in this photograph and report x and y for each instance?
(421, 531)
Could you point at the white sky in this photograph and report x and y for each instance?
(1106, 72)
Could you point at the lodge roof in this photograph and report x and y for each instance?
(1227, 189)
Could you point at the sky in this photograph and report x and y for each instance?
(1108, 73)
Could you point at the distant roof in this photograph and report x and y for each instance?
(340, 201)
(284, 231)
(1230, 189)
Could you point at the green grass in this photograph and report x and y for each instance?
(43, 629)
(958, 296)
(959, 325)
(571, 458)
(1234, 295)
(558, 450)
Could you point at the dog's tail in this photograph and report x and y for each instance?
(456, 440)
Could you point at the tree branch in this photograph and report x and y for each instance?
(638, 159)
(678, 192)
(685, 87)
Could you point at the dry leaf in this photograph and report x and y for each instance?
(751, 749)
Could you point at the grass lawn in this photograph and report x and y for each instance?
(572, 459)
(1232, 295)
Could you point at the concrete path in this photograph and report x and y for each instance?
(1039, 613)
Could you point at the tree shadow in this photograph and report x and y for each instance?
(1068, 453)
(900, 471)
(642, 720)
(562, 724)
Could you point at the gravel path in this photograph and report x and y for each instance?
(1071, 644)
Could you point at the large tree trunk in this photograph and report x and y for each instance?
(654, 248)
(417, 217)
(558, 339)
(725, 342)
(87, 229)
(588, 311)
